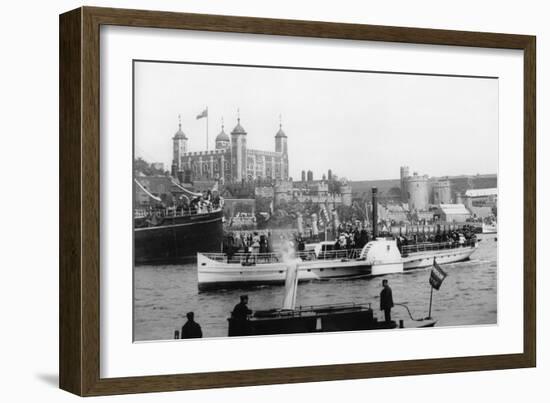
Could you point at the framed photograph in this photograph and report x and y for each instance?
(249, 201)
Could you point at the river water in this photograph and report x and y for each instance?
(468, 296)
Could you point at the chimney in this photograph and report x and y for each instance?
(374, 213)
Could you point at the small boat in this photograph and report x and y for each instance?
(489, 228)
(317, 318)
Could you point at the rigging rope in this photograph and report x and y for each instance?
(409, 312)
(147, 192)
(184, 189)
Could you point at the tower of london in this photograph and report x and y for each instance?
(231, 160)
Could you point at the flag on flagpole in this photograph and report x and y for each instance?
(203, 114)
(437, 276)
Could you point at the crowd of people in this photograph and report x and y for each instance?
(351, 236)
(346, 237)
(205, 203)
(251, 243)
(455, 238)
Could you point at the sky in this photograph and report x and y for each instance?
(362, 125)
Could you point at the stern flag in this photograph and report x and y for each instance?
(437, 276)
(203, 114)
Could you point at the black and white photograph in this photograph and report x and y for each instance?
(273, 200)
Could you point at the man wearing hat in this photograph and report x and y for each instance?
(239, 317)
(386, 300)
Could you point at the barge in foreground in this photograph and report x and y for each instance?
(319, 318)
(312, 319)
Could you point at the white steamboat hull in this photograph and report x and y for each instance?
(213, 274)
(220, 274)
(418, 260)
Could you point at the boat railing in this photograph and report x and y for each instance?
(306, 309)
(340, 254)
(277, 257)
(432, 246)
(173, 212)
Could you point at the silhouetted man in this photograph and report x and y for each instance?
(191, 329)
(386, 300)
(239, 317)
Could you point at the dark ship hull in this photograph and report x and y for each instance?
(177, 239)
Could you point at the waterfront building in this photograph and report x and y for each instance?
(316, 192)
(453, 213)
(480, 197)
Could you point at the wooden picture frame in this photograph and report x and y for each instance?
(79, 282)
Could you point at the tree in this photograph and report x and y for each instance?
(140, 165)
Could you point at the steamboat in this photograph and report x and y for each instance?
(380, 256)
(169, 235)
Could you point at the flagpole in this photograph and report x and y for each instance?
(431, 296)
(207, 128)
(430, 310)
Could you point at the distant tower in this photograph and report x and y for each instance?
(310, 176)
(222, 140)
(238, 151)
(281, 139)
(179, 143)
(418, 193)
(404, 174)
(303, 176)
(442, 192)
(281, 146)
(330, 174)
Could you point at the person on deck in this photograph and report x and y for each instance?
(191, 329)
(239, 317)
(386, 300)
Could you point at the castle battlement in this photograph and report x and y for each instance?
(261, 152)
(203, 153)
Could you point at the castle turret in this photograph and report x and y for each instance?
(442, 192)
(238, 151)
(179, 146)
(222, 140)
(418, 193)
(281, 141)
(282, 191)
(281, 146)
(404, 174)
